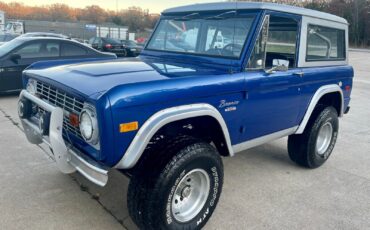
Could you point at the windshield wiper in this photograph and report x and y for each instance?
(228, 14)
(187, 17)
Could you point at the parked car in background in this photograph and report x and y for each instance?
(108, 45)
(6, 37)
(19, 53)
(132, 48)
(44, 34)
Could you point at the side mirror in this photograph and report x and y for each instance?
(15, 57)
(94, 45)
(278, 65)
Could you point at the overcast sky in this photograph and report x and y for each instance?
(154, 6)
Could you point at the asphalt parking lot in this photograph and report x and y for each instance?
(263, 189)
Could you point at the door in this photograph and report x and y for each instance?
(21, 58)
(272, 79)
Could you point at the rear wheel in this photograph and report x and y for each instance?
(312, 148)
(176, 186)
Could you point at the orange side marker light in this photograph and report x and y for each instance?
(128, 127)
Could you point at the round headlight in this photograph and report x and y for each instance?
(86, 125)
(89, 126)
(31, 86)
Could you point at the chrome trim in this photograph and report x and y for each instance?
(163, 117)
(264, 139)
(68, 160)
(315, 99)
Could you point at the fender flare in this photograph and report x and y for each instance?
(160, 119)
(315, 99)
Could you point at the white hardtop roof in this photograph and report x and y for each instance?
(256, 5)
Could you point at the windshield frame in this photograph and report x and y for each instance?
(253, 14)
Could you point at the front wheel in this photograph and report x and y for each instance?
(312, 148)
(177, 188)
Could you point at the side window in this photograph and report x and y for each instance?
(282, 41)
(30, 51)
(325, 44)
(52, 49)
(69, 50)
(39, 50)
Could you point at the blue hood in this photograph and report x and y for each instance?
(91, 78)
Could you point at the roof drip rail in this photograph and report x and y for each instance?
(223, 15)
(187, 17)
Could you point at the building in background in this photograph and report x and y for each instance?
(72, 29)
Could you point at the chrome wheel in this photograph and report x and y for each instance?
(324, 138)
(190, 195)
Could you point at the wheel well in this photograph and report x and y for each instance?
(206, 128)
(332, 99)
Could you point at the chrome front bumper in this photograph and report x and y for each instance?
(67, 159)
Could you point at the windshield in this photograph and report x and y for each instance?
(9, 46)
(213, 36)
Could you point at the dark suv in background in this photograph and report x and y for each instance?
(108, 45)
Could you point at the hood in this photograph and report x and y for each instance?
(91, 78)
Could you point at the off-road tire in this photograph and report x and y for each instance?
(302, 148)
(157, 175)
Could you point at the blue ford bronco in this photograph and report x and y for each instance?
(213, 80)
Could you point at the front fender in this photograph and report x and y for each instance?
(160, 119)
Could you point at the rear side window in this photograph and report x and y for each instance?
(325, 44)
(72, 50)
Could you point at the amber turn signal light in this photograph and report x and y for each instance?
(74, 120)
(128, 127)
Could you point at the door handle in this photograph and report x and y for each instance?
(300, 74)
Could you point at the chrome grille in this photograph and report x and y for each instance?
(61, 99)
